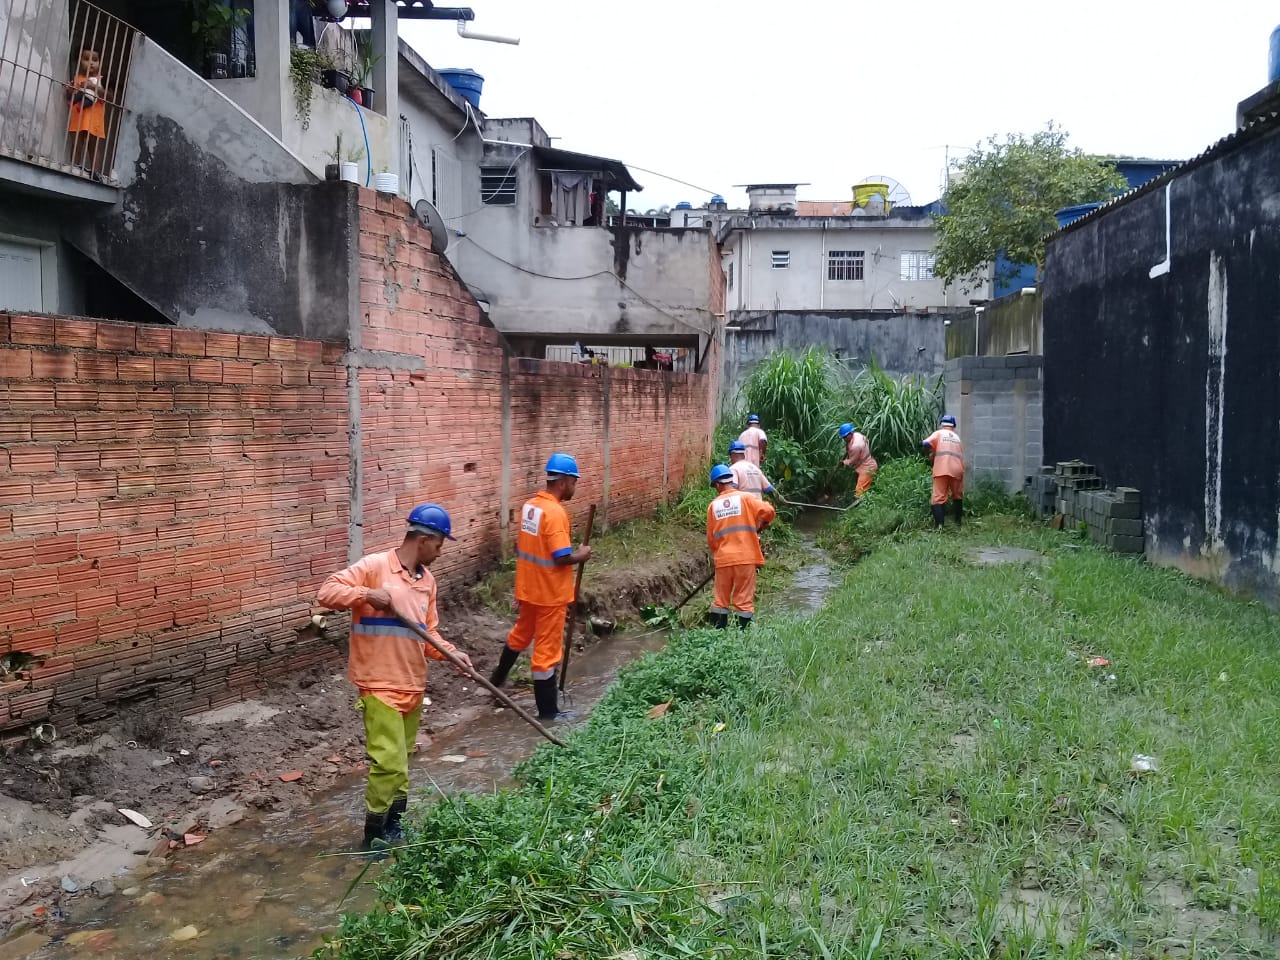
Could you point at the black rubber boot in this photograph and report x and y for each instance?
(744, 622)
(548, 700)
(718, 620)
(393, 830)
(957, 507)
(506, 660)
(374, 830)
(939, 515)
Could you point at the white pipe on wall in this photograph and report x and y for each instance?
(466, 33)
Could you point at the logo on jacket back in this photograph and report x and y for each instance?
(728, 507)
(531, 521)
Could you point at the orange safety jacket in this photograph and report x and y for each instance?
(385, 654)
(734, 522)
(948, 453)
(544, 536)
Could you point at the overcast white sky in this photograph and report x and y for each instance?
(831, 93)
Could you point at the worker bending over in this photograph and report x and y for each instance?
(944, 449)
(388, 662)
(734, 522)
(754, 440)
(545, 559)
(857, 454)
(748, 478)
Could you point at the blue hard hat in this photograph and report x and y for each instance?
(561, 464)
(431, 518)
(720, 472)
(948, 421)
(846, 429)
(753, 418)
(737, 446)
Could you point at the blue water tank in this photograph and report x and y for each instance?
(1071, 214)
(1273, 64)
(684, 205)
(466, 81)
(717, 199)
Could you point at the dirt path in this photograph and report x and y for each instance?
(62, 837)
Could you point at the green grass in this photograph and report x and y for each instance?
(926, 769)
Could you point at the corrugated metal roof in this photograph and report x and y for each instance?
(1258, 128)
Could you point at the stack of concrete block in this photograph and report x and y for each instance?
(1042, 491)
(1112, 518)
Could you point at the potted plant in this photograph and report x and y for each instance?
(305, 68)
(362, 70)
(343, 166)
(212, 27)
(336, 75)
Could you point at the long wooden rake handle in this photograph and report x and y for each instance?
(468, 672)
(577, 595)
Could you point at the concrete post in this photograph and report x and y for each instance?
(504, 491)
(604, 498)
(386, 45)
(666, 434)
(272, 44)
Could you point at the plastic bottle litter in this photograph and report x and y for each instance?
(1141, 763)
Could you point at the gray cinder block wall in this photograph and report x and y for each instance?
(998, 402)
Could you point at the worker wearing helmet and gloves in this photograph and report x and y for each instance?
(857, 454)
(388, 662)
(754, 440)
(545, 559)
(944, 448)
(734, 522)
(747, 477)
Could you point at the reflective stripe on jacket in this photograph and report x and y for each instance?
(544, 534)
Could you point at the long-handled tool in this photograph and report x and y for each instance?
(690, 595)
(577, 595)
(483, 681)
(820, 506)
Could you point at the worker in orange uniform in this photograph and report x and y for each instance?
(734, 522)
(388, 662)
(944, 448)
(545, 559)
(857, 454)
(754, 440)
(747, 477)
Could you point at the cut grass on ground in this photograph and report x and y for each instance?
(929, 768)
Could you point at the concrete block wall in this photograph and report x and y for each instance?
(998, 403)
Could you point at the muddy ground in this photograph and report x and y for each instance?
(61, 833)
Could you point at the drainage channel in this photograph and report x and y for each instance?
(271, 888)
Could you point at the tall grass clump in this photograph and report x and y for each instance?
(803, 398)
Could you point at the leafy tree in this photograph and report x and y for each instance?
(611, 207)
(1004, 196)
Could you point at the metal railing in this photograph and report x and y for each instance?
(64, 70)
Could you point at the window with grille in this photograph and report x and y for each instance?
(498, 186)
(845, 264)
(917, 265)
(781, 259)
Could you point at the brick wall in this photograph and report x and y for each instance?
(170, 499)
(999, 404)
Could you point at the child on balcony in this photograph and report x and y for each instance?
(87, 117)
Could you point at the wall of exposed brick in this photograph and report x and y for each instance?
(170, 499)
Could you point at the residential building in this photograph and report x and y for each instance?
(235, 132)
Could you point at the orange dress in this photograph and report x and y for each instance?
(90, 119)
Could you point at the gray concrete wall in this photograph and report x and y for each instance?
(999, 405)
(1012, 324)
(902, 343)
(258, 247)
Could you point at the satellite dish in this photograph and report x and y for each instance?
(892, 192)
(430, 218)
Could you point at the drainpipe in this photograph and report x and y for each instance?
(822, 270)
(467, 34)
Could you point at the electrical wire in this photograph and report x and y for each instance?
(599, 273)
(683, 183)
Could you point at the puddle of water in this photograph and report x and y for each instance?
(263, 890)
